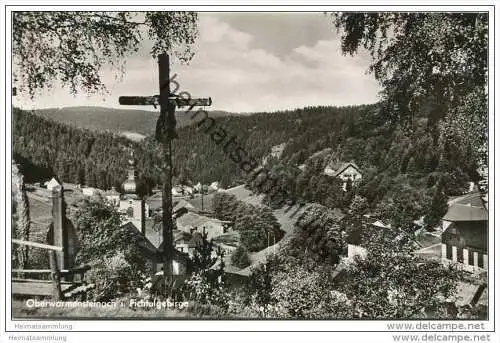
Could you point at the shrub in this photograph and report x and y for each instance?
(112, 277)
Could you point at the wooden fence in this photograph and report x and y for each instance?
(55, 287)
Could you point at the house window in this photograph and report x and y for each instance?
(449, 254)
(471, 257)
(480, 260)
(460, 255)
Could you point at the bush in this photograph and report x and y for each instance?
(306, 294)
(112, 277)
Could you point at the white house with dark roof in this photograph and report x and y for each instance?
(344, 171)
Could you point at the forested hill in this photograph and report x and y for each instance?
(117, 120)
(401, 167)
(86, 154)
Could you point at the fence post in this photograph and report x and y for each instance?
(55, 275)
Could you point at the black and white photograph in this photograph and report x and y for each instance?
(277, 166)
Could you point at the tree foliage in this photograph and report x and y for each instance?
(206, 285)
(300, 293)
(224, 205)
(112, 250)
(257, 225)
(392, 282)
(318, 237)
(73, 47)
(437, 208)
(429, 64)
(240, 257)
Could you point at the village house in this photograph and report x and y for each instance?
(180, 269)
(154, 251)
(180, 262)
(465, 237)
(187, 242)
(344, 171)
(213, 226)
(214, 186)
(90, 191)
(228, 242)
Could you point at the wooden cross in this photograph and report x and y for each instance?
(165, 132)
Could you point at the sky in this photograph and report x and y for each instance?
(246, 62)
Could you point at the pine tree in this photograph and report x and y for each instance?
(202, 256)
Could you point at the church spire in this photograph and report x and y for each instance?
(129, 186)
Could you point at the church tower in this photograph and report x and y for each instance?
(131, 205)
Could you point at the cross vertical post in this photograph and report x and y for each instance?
(167, 221)
(165, 132)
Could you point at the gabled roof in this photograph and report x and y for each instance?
(178, 256)
(339, 167)
(148, 248)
